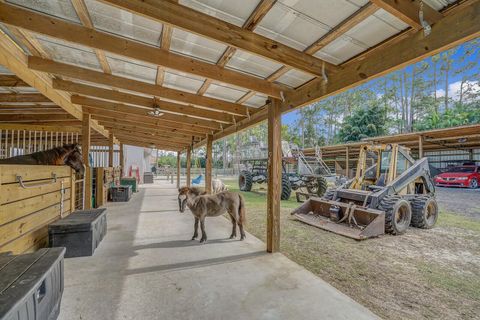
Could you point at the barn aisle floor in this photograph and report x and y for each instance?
(147, 268)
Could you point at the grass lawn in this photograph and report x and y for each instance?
(429, 274)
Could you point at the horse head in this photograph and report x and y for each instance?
(73, 158)
(186, 192)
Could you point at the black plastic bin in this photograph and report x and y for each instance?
(31, 285)
(80, 233)
(120, 193)
(148, 177)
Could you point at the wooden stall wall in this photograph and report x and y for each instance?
(105, 178)
(31, 197)
(20, 142)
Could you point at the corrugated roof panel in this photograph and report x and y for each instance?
(255, 65)
(439, 4)
(26, 90)
(58, 8)
(256, 101)
(340, 50)
(132, 69)
(182, 81)
(374, 29)
(235, 12)
(124, 23)
(224, 93)
(295, 78)
(69, 53)
(195, 46)
(300, 23)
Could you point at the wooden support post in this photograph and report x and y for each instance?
(208, 165)
(178, 170)
(347, 163)
(420, 147)
(121, 158)
(87, 192)
(110, 150)
(189, 165)
(274, 175)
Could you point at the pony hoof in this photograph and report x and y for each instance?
(242, 238)
(232, 237)
(193, 238)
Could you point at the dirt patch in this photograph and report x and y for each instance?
(423, 274)
(465, 202)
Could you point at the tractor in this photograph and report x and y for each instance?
(390, 192)
(299, 171)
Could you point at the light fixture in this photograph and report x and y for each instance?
(156, 112)
(462, 140)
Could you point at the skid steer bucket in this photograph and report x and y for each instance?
(347, 219)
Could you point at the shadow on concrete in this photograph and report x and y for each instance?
(181, 244)
(197, 263)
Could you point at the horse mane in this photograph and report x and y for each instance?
(197, 191)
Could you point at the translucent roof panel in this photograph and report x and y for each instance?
(124, 23)
(295, 78)
(300, 23)
(182, 81)
(255, 65)
(19, 43)
(198, 47)
(69, 53)
(26, 90)
(256, 101)
(132, 69)
(439, 4)
(364, 35)
(224, 93)
(59, 8)
(4, 70)
(234, 12)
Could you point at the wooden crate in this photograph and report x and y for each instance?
(27, 207)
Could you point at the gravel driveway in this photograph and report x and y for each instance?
(458, 200)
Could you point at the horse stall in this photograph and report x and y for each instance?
(32, 197)
(103, 180)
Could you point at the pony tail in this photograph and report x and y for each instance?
(241, 210)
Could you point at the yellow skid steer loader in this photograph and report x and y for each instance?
(390, 191)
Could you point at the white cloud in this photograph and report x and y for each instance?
(454, 89)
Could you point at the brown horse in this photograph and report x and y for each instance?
(202, 206)
(69, 155)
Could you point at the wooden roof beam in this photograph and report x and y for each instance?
(67, 31)
(148, 145)
(15, 60)
(7, 80)
(165, 106)
(408, 11)
(63, 69)
(23, 97)
(158, 131)
(82, 12)
(129, 99)
(31, 127)
(216, 29)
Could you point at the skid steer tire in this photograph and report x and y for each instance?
(424, 212)
(320, 187)
(398, 214)
(329, 194)
(245, 181)
(286, 188)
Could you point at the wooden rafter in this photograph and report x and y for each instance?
(7, 80)
(23, 97)
(165, 40)
(67, 31)
(82, 12)
(413, 45)
(159, 131)
(164, 106)
(35, 118)
(141, 135)
(84, 74)
(140, 119)
(253, 20)
(30, 127)
(216, 29)
(13, 58)
(408, 11)
(129, 99)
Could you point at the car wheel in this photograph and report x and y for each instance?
(473, 183)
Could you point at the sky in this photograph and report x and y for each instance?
(454, 87)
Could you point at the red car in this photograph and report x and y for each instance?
(467, 176)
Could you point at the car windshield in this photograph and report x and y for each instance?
(462, 169)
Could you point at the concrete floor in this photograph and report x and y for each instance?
(147, 268)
